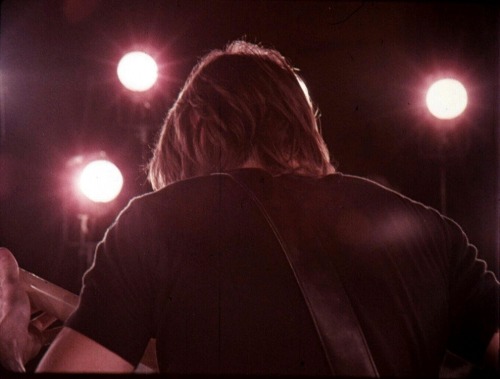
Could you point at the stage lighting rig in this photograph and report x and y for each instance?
(100, 181)
(446, 100)
(92, 185)
(94, 181)
(137, 71)
(141, 102)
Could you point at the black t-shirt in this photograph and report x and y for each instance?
(195, 266)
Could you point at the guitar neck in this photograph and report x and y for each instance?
(47, 296)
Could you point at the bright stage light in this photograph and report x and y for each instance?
(446, 99)
(101, 181)
(137, 71)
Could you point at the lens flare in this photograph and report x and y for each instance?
(446, 99)
(100, 181)
(137, 71)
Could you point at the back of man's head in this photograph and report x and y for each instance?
(239, 104)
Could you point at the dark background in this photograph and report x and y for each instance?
(367, 65)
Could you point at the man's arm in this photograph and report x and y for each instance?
(493, 351)
(73, 352)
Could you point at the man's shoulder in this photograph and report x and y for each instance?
(372, 194)
(362, 189)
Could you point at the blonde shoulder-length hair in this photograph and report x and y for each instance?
(242, 103)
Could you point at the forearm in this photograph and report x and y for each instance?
(76, 353)
(493, 352)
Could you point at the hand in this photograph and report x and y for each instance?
(21, 337)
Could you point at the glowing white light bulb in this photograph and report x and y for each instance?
(101, 181)
(137, 71)
(446, 99)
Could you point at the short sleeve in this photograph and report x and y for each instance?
(115, 306)
(474, 299)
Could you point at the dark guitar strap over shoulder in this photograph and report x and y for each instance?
(336, 323)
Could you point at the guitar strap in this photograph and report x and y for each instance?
(336, 323)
